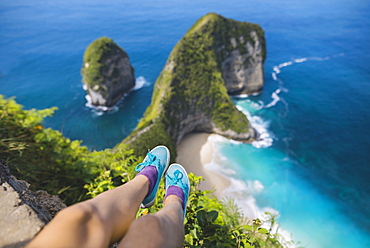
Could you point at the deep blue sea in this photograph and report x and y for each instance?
(312, 167)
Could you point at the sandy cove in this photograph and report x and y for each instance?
(193, 152)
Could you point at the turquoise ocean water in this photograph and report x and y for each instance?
(312, 166)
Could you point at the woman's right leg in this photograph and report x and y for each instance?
(162, 229)
(166, 227)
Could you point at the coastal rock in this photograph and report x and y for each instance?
(217, 56)
(23, 212)
(242, 68)
(107, 72)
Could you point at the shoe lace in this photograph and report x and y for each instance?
(152, 160)
(176, 180)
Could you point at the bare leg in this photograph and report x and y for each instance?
(163, 229)
(97, 222)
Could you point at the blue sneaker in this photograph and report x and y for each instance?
(158, 158)
(177, 183)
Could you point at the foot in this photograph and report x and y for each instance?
(177, 183)
(153, 167)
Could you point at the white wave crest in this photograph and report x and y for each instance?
(216, 167)
(257, 105)
(300, 60)
(100, 110)
(217, 161)
(274, 76)
(216, 139)
(265, 140)
(275, 98)
(243, 194)
(140, 83)
(277, 68)
(285, 64)
(242, 96)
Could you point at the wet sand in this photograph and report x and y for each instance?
(193, 152)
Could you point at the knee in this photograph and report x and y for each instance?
(80, 213)
(148, 225)
(159, 229)
(150, 222)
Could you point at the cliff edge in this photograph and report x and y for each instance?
(107, 72)
(23, 212)
(217, 56)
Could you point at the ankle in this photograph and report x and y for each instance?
(144, 181)
(175, 192)
(172, 199)
(151, 174)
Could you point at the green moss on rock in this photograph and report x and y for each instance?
(92, 60)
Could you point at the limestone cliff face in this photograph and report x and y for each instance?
(243, 70)
(216, 56)
(107, 72)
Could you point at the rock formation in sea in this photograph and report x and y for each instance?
(107, 72)
(216, 56)
(23, 212)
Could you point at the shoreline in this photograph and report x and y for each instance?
(194, 152)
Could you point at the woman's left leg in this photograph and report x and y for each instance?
(97, 222)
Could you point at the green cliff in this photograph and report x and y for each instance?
(191, 93)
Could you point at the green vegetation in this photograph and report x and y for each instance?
(94, 55)
(48, 161)
(190, 91)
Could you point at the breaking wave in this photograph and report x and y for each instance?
(140, 83)
(276, 69)
(265, 139)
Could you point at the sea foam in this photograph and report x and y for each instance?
(140, 83)
(275, 98)
(261, 126)
(100, 110)
(277, 68)
(243, 192)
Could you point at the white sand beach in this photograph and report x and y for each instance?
(193, 152)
